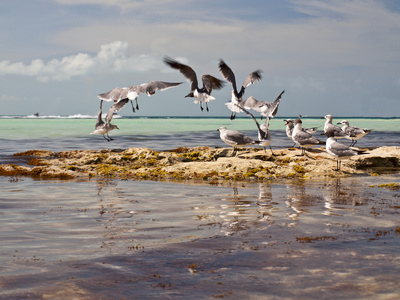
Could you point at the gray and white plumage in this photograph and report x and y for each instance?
(235, 138)
(333, 130)
(265, 108)
(264, 135)
(133, 92)
(354, 133)
(302, 138)
(237, 96)
(339, 150)
(203, 94)
(104, 128)
(290, 126)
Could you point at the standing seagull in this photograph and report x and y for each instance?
(339, 150)
(201, 95)
(302, 138)
(132, 93)
(237, 101)
(235, 138)
(290, 126)
(267, 109)
(354, 133)
(333, 130)
(264, 135)
(103, 128)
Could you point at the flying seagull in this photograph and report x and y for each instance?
(236, 100)
(235, 138)
(339, 150)
(354, 133)
(104, 128)
(201, 95)
(264, 135)
(132, 93)
(265, 108)
(302, 138)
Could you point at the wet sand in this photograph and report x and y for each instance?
(292, 238)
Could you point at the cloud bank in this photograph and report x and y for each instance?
(111, 58)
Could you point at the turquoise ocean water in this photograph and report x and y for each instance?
(57, 133)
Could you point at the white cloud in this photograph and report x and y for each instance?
(112, 57)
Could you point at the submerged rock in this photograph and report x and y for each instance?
(202, 163)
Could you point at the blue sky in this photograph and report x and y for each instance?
(339, 57)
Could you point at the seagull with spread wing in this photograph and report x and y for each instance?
(104, 128)
(132, 93)
(236, 100)
(265, 108)
(264, 135)
(203, 94)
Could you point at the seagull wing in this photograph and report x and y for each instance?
(228, 74)
(113, 95)
(251, 103)
(210, 83)
(238, 138)
(261, 132)
(99, 121)
(151, 87)
(115, 108)
(273, 108)
(251, 79)
(186, 71)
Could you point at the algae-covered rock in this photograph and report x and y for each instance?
(200, 163)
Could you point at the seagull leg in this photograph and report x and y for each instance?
(233, 115)
(110, 139)
(137, 104)
(234, 151)
(104, 136)
(201, 107)
(207, 106)
(272, 152)
(133, 109)
(355, 142)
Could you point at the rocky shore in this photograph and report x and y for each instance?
(199, 163)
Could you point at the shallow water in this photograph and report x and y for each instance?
(113, 239)
(62, 134)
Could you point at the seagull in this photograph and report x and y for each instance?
(302, 138)
(235, 138)
(201, 95)
(133, 92)
(236, 100)
(336, 131)
(264, 135)
(267, 109)
(354, 133)
(289, 129)
(103, 128)
(339, 150)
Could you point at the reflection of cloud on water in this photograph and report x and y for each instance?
(298, 200)
(339, 198)
(240, 212)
